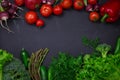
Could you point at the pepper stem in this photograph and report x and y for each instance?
(104, 17)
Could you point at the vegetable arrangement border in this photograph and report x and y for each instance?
(106, 12)
(100, 64)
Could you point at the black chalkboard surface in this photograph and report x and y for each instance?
(61, 33)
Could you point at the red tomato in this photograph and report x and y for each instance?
(92, 2)
(46, 10)
(66, 4)
(94, 16)
(40, 23)
(58, 10)
(19, 2)
(31, 17)
(78, 4)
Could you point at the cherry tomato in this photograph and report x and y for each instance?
(46, 10)
(19, 2)
(94, 16)
(78, 4)
(31, 17)
(40, 23)
(66, 4)
(92, 2)
(58, 10)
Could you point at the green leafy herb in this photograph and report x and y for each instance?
(64, 67)
(90, 42)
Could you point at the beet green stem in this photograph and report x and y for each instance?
(1, 8)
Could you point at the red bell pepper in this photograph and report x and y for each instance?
(110, 11)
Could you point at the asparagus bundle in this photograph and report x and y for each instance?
(35, 62)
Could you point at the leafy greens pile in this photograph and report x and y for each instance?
(101, 64)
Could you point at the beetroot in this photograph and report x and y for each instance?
(4, 16)
(32, 4)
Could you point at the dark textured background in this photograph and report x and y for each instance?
(61, 33)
